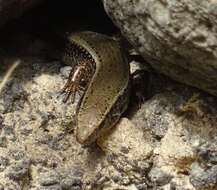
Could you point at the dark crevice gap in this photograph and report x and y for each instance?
(51, 20)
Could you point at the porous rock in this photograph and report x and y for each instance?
(168, 142)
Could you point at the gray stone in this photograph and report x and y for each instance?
(11, 185)
(70, 182)
(17, 154)
(19, 170)
(4, 162)
(173, 130)
(49, 179)
(207, 152)
(3, 141)
(159, 177)
(65, 71)
(52, 187)
(177, 38)
(202, 178)
(142, 187)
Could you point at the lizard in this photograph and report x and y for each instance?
(102, 72)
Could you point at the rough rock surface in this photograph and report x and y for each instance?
(178, 38)
(180, 123)
(10, 9)
(168, 142)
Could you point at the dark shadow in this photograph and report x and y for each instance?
(48, 23)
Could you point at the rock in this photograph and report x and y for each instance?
(19, 170)
(4, 162)
(3, 142)
(159, 177)
(71, 182)
(127, 151)
(49, 179)
(177, 38)
(168, 142)
(65, 71)
(203, 178)
(185, 120)
(125, 139)
(12, 185)
(52, 187)
(18, 173)
(203, 172)
(63, 179)
(32, 122)
(1, 187)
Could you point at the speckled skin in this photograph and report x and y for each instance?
(107, 94)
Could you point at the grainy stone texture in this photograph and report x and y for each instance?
(180, 123)
(178, 38)
(167, 142)
(38, 150)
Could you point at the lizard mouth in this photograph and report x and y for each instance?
(77, 53)
(83, 68)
